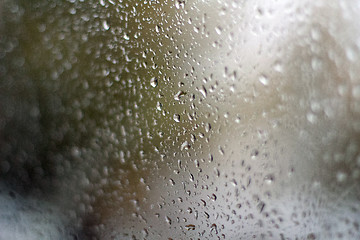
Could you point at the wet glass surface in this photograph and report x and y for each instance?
(179, 119)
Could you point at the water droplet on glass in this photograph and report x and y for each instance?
(269, 179)
(159, 106)
(105, 25)
(190, 227)
(178, 95)
(254, 153)
(233, 182)
(214, 228)
(172, 182)
(126, 37)
(154, 82)
(179, 4)
(168, 220)
(176, 117)
(185, 145)
(203, 91)
(218, 30)
(278, 67)
(264, 80)
(260, 206)
(191, 177)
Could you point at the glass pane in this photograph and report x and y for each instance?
(179, 119)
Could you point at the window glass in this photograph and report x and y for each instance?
(221, 119)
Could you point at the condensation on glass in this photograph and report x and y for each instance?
(179, 119)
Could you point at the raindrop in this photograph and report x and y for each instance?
(207, 127)
(154, 82)
(233, 182)
(176, 117)
(190, 227)
(126, 37)
(264, 80)
(254, 153)
(214, 228)
(203, 91)
(179, 4)
(168, 220)
(191, 177)
(105, 25)
(269, 179)
(159, 106)
(278, 67)
(213, 197)
(218, 30)
(185, 146)
(172, 182)
(217, 172)
(261, 206)
(178, 95)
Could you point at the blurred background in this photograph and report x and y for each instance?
(179, 120)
